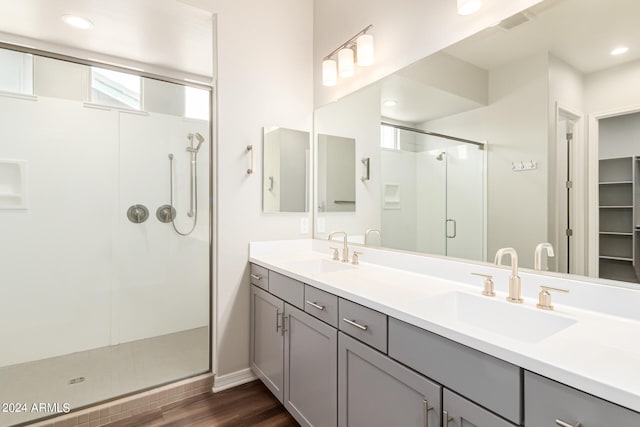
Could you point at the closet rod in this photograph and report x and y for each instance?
(440, 135)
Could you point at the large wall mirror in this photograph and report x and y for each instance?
(509, 138)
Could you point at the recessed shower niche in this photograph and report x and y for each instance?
(13, 184)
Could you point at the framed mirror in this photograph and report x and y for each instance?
(285, 180)
(552, 106)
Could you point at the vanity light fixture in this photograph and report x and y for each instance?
(341, 62)
(619, 50)
(467, 7)
(78, 22)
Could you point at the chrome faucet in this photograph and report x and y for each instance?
(514, 279)
(537, 259)
(345, 249)
(369, 231)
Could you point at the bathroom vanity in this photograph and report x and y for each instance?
(410, 340)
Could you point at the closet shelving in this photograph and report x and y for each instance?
(619, 222)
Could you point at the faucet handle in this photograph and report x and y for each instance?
(336, 253)
(488, 284)
(354, 258)
(544, 297)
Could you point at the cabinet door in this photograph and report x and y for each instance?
(548, 403)
(373, 390)
(311, 369)
(460, 412)
(267, 340)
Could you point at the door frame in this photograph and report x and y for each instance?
(592, 176)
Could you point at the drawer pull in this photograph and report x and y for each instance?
(256, 277)
(356, 324)
(565, 424)
(426, 408)
(314, 305)
(446, 418)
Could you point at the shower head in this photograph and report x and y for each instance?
(200, 140)
(440, 156)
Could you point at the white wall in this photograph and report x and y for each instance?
(613, 88)
(619, 136)
(264, 77)
(404, 31)
(515, 126)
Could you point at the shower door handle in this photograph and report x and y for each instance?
(455, 228)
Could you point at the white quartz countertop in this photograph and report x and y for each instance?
(592, 351)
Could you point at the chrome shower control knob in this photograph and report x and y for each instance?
(137, 214)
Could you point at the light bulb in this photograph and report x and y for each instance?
(78, 22)
(329, 72)
(467, 7)
(619, 50)
(345, 62)
(364, 45)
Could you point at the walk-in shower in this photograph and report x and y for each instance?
(100, 298)
(193, 183)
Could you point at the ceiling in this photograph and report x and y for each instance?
(580, 32)
(167, 34)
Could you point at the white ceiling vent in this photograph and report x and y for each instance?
(516, 20)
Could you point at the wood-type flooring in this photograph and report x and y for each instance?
(247, 405)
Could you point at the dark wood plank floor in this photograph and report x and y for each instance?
(246, 405)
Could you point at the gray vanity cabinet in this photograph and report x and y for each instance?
(374, 390)
(460, 412)
(548, 403)
(311, 369)
(267, 340)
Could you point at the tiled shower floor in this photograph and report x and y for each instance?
(107, 371)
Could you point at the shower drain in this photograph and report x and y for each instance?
(76, 380)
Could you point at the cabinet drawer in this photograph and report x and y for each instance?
(321, 304)
(260, 276)
(547, 401)
(493, 383)
(460, 412)
(369, 326)
(290, 290)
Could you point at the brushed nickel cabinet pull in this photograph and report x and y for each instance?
(446, 418)
(277, 320)
(565, 424)
(250, 151)
(314, 305)
(426, 408)
(356, 324)
(284, 319)
(256, 277)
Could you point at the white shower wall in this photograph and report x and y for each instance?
(75, 273)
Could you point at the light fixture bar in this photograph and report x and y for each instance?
(349, 43)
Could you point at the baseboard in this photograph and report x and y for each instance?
(224, 382)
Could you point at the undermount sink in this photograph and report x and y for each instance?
(319, 265)
(510, 320)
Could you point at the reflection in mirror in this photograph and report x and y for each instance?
(285, 179)
(544, 91)
(336, 174)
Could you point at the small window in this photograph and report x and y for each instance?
(196, 103)
(16, 72)
(115, 89)
(389, 138)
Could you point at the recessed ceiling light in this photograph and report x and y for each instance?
(619, 50)
(390, 103)
(467, 7)
(78, 22)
